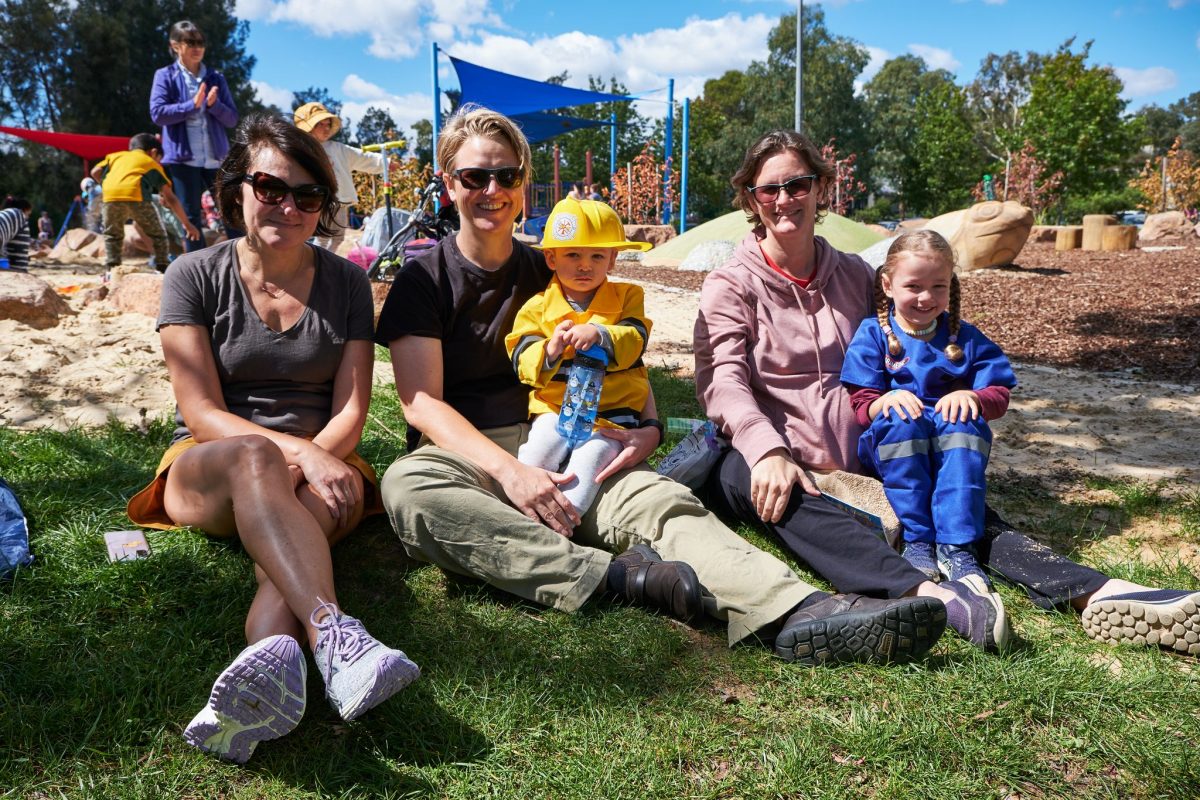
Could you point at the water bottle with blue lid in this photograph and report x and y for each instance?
(581, 399)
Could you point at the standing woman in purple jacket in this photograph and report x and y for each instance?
(192, 103)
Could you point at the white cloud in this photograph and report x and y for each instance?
(273, 95)
(397, 28)
(935, 57)
(699, 50)
(1142, 82)
(405, 109)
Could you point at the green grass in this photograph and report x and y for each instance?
(101, 666)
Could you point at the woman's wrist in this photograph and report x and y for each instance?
(651, 422)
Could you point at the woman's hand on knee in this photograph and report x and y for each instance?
(334, 481)
(535, 493)
(771, 482)
(637, 444)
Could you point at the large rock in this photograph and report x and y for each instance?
(138, 292)
(78, 242)
(1167, 225)
(30, 300)
(1044, 233)
(707, 256)
(876, 253)
(988, 234)
(654, 234)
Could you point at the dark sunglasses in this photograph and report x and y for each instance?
(799, 186)
(192, 42)
(480, 177)
(309, 197)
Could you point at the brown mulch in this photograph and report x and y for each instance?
(1134, 312)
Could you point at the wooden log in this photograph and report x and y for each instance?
(1093, 229)
(1119, 237)
(1068, 237)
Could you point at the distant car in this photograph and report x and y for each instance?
(1132, 217)
(890, 224)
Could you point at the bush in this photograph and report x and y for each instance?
(883, 209)
(1071, 212)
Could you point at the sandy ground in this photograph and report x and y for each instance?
(101, 363)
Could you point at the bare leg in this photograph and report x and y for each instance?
(269, 613)
(1112, 587)
(242, 485)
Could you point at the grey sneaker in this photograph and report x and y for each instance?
(360, 672)
(259, 696)
(977, 614)
(921, 556)
(1169, 618)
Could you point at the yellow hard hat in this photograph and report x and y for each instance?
(586, 223)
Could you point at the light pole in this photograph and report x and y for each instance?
(799, 64)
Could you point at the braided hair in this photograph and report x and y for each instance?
(922, 241)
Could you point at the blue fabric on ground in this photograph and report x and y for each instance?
(14, 533)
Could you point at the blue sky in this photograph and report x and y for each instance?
(377, 52)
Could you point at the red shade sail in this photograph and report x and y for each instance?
(85, 145)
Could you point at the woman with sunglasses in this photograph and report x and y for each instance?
(772, 333)
(192, 103)
(461, 500)
(267, 340)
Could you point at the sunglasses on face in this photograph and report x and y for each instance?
(480, 177)
(308, 197)
(197, 44)
(799, 186)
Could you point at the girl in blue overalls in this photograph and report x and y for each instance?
(924, 383)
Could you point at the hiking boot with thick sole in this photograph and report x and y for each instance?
(850, 627)
(259, 696)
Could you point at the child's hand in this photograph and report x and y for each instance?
(198, 98)
(212, 95)
(906, 404)
(191, 231)
(581, 337)
(959, 406)
(556, 344)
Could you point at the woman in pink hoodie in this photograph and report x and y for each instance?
(770, 339)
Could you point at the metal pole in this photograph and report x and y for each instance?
(683, 172)
(612, 148)
(629, 189)
(799, 65)
(666, 206)
(437, 122)
(557, 184)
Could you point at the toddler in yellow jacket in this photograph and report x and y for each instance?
(581, 308)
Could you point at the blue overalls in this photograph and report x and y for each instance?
(933, 471)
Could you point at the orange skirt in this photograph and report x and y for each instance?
(146, 507)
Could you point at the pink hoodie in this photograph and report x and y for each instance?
(769, 355)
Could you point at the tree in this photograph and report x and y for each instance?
(1159, 127)
(1189, 130)
(636, 193)
(997, 98)
(319, 94)
(1182, 189)
(892, 98)
(1030, 182)
(423, 130)
(846, 185)
(1074, 118)
(378, 126)
(947, 158)
(740, 106)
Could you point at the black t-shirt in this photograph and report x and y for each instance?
(442, 295)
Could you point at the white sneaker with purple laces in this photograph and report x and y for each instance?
(259, 696)
(1169, 618)
(360, 672)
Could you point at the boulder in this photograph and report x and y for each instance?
(914, 224)
(30, 300)
(78, 242)
(988, 234)
(882, 231)
(876, 253)
(707, 256)
(1167, 225)
(137, 292)
(95, 294)
(654, 234)
(1044, 233)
